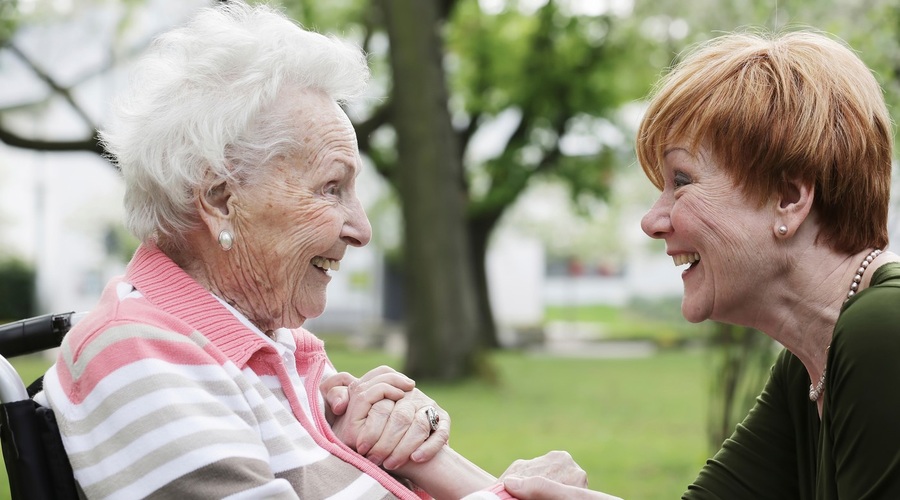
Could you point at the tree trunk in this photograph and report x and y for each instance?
(441, 313)
(480, 229)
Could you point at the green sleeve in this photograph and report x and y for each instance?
(759, 459)
(861, 418)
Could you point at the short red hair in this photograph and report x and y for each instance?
(797, 106)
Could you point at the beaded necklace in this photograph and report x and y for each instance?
(816, 392)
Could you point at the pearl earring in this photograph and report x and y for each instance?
(226, 239)
(782, 230)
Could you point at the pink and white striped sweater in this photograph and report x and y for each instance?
(161, 391)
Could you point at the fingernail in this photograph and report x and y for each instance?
(389, 464)
(362, 449)
(416, 456)
(513, 482)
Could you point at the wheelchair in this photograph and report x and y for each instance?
(36, 462)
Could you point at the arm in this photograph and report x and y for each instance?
(862, 445)
(759, 460)
(151, 413)
(448, 475)
(553, 476)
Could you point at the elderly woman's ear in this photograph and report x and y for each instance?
(216, 211)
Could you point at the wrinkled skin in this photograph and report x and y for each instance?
(304, 207)
(286, 218)
(702, 211)
(554, 476)
(382, 416)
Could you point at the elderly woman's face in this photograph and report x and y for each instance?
(298, 221)
(725, 239)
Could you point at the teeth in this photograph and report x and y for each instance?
(685, 258)
(326, 264)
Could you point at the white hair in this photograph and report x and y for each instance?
(203, 102)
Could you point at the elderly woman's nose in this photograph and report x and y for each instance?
(656, 222)
(357, 231)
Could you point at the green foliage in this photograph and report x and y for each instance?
(334, 16)
(9, 13)
(741, 359)
(555, 70)
(17, 289)
(120, 243)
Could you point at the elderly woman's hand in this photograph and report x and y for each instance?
(557, 466)
(541, 488)
(554, 476)
(389, 430)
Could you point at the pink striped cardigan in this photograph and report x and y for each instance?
(161, 391)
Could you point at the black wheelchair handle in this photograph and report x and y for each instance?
(35, 334)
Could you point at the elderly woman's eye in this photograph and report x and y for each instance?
(332, 189)
(681, 179)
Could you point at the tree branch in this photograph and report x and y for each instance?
(379, 117)
(445, 7)
(465, 135)
(364, 129)
(554, 154)
(46, 78)
(91, 145)
(370, 20)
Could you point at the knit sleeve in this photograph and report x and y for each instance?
(144, 411)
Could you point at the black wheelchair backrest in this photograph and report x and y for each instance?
(36, 462)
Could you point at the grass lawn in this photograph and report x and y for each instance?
(635, 425)
(659, 321)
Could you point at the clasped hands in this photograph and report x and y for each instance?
(382, 415)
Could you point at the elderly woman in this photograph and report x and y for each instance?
(773, 155)
(193, 377)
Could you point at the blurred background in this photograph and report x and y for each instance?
(507, 272)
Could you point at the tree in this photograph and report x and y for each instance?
(559, 72)
(555, 70)
(87, 139)
(428, 176)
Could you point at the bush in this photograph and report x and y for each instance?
(17, 289)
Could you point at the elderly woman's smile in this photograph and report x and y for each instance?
(326, 264)
(292, 222)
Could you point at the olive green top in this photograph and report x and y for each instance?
(782, 450)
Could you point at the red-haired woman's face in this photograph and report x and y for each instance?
(710, 226)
